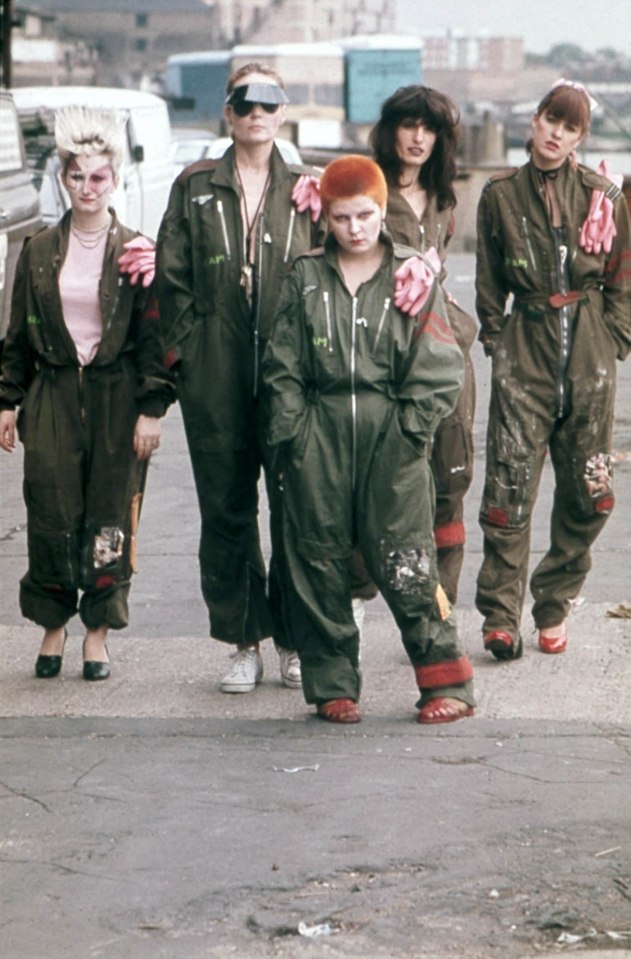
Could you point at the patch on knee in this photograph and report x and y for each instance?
(408, 570)
(598, 476)
(108, 546)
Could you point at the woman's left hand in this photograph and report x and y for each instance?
(146, 436)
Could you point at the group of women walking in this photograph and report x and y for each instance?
(303, 322)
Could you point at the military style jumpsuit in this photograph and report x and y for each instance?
(357, 391)
(82, 481)
(553, 384)
(217, 311)
(452, 450)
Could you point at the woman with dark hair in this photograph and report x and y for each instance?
(414, 143)
(555, 237)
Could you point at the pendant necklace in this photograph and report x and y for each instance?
(248, 268)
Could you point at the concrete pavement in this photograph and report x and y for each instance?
(152, 816)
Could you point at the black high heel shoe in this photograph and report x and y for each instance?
(46, 667)
(95, 669)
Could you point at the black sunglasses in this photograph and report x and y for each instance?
(244, 107)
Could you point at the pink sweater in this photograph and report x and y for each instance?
(79, 282)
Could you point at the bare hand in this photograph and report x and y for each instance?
(146, 436)
(7, 430)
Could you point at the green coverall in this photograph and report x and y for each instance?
(553, 384)
(215, 337)
(357, 391)
(77, 424)
(452, 448)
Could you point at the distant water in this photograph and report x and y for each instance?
(620, 161)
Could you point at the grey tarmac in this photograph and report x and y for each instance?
(153, 816)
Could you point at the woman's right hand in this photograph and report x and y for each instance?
(7, 430)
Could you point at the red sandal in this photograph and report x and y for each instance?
(553, 643)
(443, 709)
(339, 711)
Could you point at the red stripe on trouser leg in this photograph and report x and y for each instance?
(449, 534)
(450, 673)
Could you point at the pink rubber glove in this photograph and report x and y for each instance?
(413, 282)
(306, 196)
(139, 260)
(599, 229)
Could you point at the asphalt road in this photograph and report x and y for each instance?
(152, 816)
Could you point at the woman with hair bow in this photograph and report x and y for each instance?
(555, 237)
(82, 366)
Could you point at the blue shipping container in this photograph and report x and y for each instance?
(200, 78)
(372, 75)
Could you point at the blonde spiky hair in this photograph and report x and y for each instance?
(82, 131)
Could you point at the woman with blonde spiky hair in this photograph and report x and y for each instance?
(82, 382)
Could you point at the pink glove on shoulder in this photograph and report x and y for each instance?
(306, 196)
(599, 229)
(139, 260)
(413, 282)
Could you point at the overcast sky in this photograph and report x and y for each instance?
(542, 23)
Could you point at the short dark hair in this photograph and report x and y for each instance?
(419, 104)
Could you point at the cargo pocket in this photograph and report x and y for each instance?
(507, 499)
(53, 559)
(452, 457)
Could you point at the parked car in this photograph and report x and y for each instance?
(219, 146)
(189, 145)
(20, 214)
(147, 171)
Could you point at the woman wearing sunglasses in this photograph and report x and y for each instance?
(230, 233)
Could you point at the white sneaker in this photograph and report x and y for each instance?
(359, 611)
(290, 672)
(246, 672)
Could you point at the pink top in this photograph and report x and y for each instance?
(79, 282)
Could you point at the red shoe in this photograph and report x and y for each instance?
(443, 709)
(502, 645)
(553, 644)
(339, 711)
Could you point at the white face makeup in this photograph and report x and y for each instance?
(355, 223)
(90, 182)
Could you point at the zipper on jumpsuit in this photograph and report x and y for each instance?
(353, 397)
(257, 314)
(290, 234)
(81, 396)
(329, 328)
(224, 230)
(561, 251)
(386, 307)
(531, 252)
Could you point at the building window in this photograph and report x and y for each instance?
(140, 44)
(142, 20)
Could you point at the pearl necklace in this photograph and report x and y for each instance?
(89, 239)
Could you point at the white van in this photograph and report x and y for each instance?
(147, 171)
(20, 214)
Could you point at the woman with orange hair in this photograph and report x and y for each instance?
(358, 388)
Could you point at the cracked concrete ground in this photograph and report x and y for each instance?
(152, 816)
